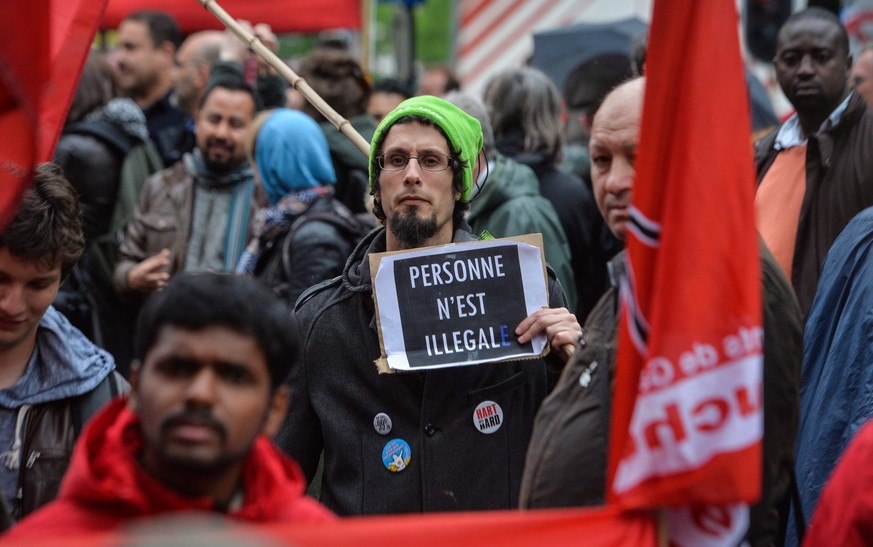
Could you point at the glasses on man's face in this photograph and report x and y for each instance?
(429, 161)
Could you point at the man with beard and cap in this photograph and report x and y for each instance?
(408, 442)
(207, 392)
(197, 214)
(813, 172)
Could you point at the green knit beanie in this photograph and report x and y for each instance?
(463, 130)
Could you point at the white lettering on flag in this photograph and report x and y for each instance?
(681, 427)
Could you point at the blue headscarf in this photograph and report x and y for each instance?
(291, 154)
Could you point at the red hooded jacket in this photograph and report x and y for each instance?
(105, 487)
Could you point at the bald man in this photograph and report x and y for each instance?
(566, 458)
(862, 74)
(193, 63)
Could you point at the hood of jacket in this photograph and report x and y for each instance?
(67, 364)
(342, 149)
(104, 471)
(507, 180)
(124, 114)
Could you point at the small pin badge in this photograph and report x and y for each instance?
(585, 378)
(382, 423)
(487, 417)
(396, 455)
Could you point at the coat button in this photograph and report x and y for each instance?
(429, 430)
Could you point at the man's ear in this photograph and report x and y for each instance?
(132, 401)
(277, 411)
(169, 51)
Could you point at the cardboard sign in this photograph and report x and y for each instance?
(458, 304)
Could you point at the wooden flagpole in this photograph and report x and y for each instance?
(255, 44)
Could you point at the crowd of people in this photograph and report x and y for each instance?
(187, 320)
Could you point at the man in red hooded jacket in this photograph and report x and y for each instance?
(206, 392)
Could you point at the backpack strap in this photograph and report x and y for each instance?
(315, 289)
(89, 403)
(341, 218)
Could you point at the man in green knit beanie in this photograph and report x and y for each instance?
(421, 174)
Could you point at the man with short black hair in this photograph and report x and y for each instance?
(145, 58)
(813, 173)
(52, 378)
(213, 351)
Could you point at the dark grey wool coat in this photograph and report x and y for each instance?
(337, 392)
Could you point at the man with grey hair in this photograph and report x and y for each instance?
(525, 110)
(506, 200)
(193, 63)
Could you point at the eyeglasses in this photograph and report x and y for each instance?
(430, 161)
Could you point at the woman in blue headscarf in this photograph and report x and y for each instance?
(299, 239)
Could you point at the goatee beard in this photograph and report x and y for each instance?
(411, 231)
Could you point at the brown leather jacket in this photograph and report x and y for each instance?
(50, 431)
(839, 185)
(162, 221)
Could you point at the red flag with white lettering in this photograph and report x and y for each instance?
(41, 56)
(687, 415)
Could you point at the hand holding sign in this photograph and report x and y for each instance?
(460, 304)
(560, 326)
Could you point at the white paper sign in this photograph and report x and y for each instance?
(459, 304)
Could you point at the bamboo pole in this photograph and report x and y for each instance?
(255, 44)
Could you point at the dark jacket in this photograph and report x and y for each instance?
(317, 250)
(591, 242)
(839, 184)
(337, 393)
(107, 487)
(92, 167)
(567, 458)
(510, 204)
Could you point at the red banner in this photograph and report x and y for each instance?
(24, 67)
(593, 528)
(687, 416)
(282, 15)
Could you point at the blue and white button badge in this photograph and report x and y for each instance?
(488, 417)
(396, 455)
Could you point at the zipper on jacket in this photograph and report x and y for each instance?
(32, 458)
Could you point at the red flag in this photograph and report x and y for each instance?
(687, 413)
(24, 67)
(41, 57)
